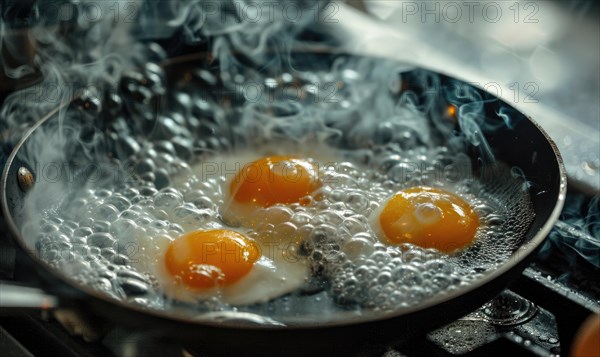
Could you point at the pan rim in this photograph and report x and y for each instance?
(342, 320)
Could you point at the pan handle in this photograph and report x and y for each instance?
(16, 298)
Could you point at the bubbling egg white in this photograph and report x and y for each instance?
(268, 181)
(227, 265)
(335, 225)
(255, 184)
(427, 217)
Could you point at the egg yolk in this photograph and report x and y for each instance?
(205, 259)
(430, 218)
(274, 179)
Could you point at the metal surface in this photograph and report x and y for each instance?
(22, 297)
(25, 178)
(508, 309)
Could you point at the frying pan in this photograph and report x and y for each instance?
(523, 144)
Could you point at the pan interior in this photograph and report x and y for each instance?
(374, 118)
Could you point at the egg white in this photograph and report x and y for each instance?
(243, 214)
(272, 275)
(277, 272)
(375, 222)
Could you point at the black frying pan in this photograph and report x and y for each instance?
(525, 145)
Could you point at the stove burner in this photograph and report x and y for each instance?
(505, 323)
(508, 309)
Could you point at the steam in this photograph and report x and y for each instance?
(77, 61)
(81, 63)
(74, 57)
(80, 58)
(105, 84)
(577, 231)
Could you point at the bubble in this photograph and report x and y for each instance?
(70, 224)
(406, 276)
(105, 212)
(101, 240)
(277, 214)
(100, 226)
(107, 253)
(144, 221)
(380, 258)
(148, 191)
(77, 206)
(384, 278)
(129, 214)
(322, 234)
(123, 226)
(67, 230)
(357, 202)
(204, 202)
(130, 192)
(102, 193)
(427, 213)
(493, 219)
(133, 287)
(353, 226)
(192, 217)
(413, 255)
(168, 200)
(82, 232)
(440, 282)
(284, 230)
(332, 229)
(120, 259)
(119, 202)
(337, 195)
(437, 266)
(159, 213)
(300, 218)
(329, 216)
(49, 228)
(176, 227)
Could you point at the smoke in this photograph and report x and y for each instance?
(77, 62)
(102, 80)
(578, 231)
(74, 57)
(80, 56)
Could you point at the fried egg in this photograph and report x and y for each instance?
(223, 261)
(428, 217)
(265, 182)
(229, 265)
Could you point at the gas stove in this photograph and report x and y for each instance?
(537, 316)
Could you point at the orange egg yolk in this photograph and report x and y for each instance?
(205, 259)
(274, 179)
(430, 218)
